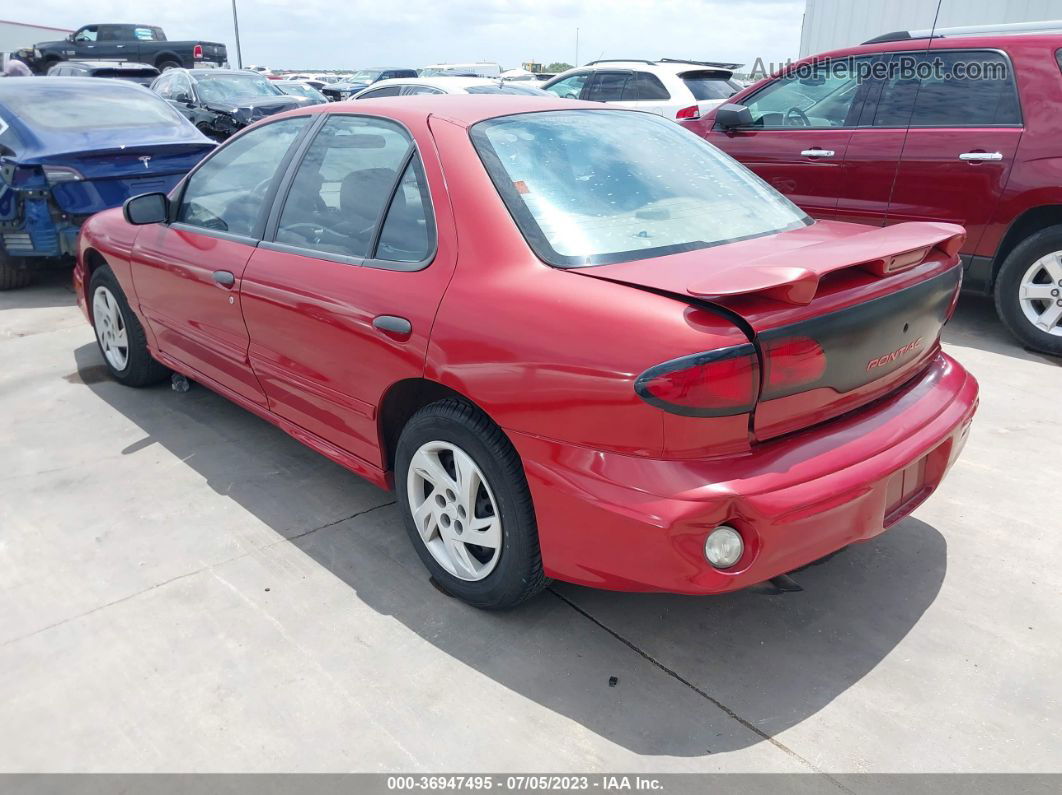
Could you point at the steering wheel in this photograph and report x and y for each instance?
(796, 113)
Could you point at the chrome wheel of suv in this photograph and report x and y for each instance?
(1040, 293)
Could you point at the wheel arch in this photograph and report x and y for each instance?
(401, 401)
(165, 57)
(1031, 221)
(93, 260)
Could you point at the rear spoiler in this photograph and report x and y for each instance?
(793, 276)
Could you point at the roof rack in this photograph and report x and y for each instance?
(716, 64)
(1012, 28)
(620, 60)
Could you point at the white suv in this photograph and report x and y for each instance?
(676, 89)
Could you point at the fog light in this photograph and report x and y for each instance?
(723, 547)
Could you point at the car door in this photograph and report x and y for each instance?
(965, 127)
(606, 86)
(84, 41)
(644, 91)
(112, 41)
(801, 125)
(187, 273)
(340, 298)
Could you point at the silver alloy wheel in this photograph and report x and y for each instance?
(110, 328)
(454, 510)
(1040, 293)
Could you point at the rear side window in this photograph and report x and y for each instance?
(342, 186)
(644, 86)
(607, 87)
(227, 193)
(949, 89)
(709, 85)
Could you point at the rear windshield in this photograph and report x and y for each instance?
(603, 186)
(108, 105)
(710, 85)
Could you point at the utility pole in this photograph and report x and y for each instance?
(576, 42)
(236, 27)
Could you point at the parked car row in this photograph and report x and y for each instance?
(932, 142)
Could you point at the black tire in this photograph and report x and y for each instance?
(13, 277)
(1008, 283)
(140, 368)
(518, 575)
(163, 66)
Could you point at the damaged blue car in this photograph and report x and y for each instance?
(70, 147)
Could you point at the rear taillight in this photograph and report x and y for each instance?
(197, 51)
(692, 113)
(712, 384)
(790, 363)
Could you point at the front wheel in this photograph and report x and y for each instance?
(1029, 291)
(466, 506)
(119, 333)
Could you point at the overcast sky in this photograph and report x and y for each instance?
(343, 34)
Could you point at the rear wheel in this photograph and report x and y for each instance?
(119, 333)
(466, 506)
(1029, 291)
(12, 275)
(163, 66)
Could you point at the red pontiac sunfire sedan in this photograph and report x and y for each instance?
(579, 342)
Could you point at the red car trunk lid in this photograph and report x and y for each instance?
(840, 314)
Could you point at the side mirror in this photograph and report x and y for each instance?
(148, 208)
(732, 115)
(183, 97)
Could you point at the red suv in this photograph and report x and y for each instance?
(908, 127)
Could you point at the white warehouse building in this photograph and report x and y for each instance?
(830, 24)
(16, 35)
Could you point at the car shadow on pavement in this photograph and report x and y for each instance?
(656, 674)
(976, 325)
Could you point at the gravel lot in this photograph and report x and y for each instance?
(184, 587)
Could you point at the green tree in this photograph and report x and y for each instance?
(558, 67)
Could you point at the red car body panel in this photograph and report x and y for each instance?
(890, 175)
(624, 492)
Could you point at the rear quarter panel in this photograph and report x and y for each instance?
(551, 352)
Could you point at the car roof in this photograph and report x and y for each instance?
(40, 142)
(461, 109)
(987, 41)
(668, 66)
(441, 81)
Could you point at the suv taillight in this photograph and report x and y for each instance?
(692, 113)
(197, 51)
(712, 384)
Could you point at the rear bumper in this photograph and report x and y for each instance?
(627, 523)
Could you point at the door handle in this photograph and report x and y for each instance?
(977, 157)
(817, 153)
(224, 278)
(393, 326)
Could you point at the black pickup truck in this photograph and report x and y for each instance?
(140, 43)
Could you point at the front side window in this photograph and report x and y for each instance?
(823, 99)
(949, 89)
(342, 185)
(86, 34)
(386, 91)
(593, 187)
(569, 87)
(227, 194)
